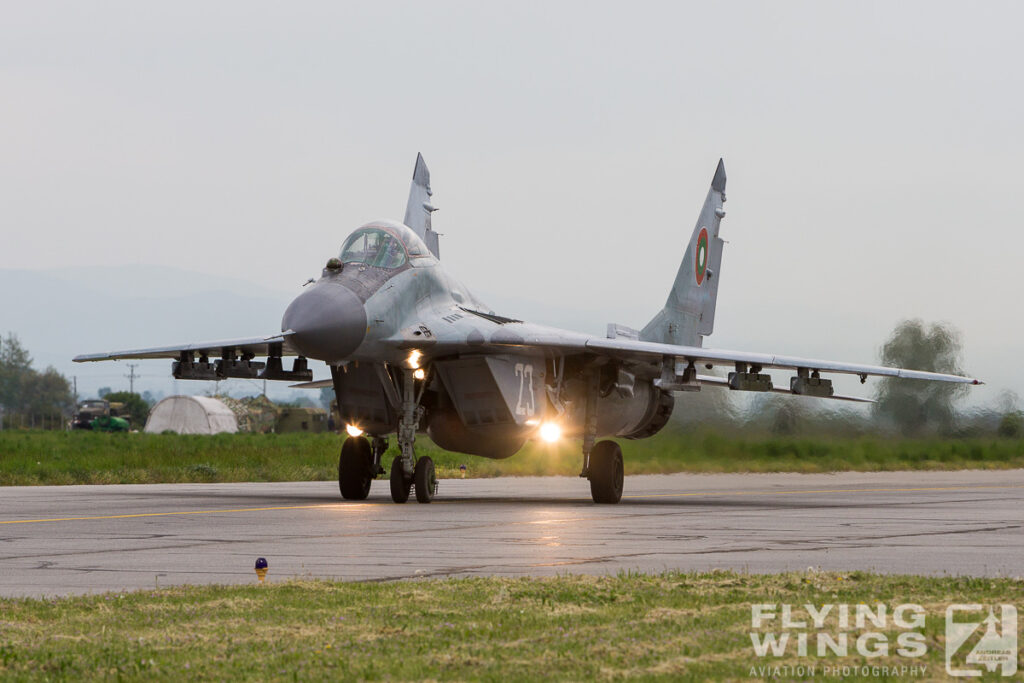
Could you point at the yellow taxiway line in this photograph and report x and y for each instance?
(169, 514)
(704, 494)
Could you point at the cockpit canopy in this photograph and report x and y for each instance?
(383, 245)
(373, 247)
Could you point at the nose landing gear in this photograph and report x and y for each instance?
(424, 480)
(406, 470)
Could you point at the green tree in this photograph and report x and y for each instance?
(915, 405)
(138, 409)
(788, 415)
(27, 392)
(47, 393)
(326, 396)
(1011, 424)
(15, 372)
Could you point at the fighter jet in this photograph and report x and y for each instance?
(411, 351)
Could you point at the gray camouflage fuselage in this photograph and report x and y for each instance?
(491, 389)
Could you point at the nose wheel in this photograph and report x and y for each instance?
(408, 471)
(400, 482)
(424, 480)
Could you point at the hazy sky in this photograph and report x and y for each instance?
(873, 153)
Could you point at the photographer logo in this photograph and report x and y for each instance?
(976, 643)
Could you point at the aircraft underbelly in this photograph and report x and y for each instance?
(492, 403)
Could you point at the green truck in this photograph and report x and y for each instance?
(101, 416)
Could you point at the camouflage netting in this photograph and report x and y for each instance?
(254, 413)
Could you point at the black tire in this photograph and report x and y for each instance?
(355, 468)
(606, 472)
(399, 484)
(424, 479)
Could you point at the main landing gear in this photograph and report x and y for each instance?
(605, 472)
(359, 465)
(602, 461)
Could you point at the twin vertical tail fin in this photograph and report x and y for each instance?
(419, 208)
(689, 312)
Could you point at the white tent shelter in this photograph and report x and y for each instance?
(191, 415)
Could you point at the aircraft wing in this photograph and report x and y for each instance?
(630, 347)
(258, 346)
(645, 351)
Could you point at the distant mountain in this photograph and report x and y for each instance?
(155, 281)
(60, 313)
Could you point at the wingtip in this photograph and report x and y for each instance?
(718, 182)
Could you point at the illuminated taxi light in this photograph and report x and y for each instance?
(353, 430)
(414, 359)
(550, 432)
(419, 374)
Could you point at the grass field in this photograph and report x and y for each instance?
(29, 458)
(671, 626)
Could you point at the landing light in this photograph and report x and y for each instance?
(418, 373)
(414, 359)
(353, 430)
(550, 432)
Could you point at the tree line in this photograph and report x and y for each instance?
(41, 398)
(910, 407)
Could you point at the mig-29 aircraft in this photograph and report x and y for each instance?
(412, 351)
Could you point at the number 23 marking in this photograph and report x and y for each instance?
(524, 371)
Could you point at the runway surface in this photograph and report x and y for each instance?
(59, 540)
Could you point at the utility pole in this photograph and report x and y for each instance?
(74, 381)
(131, 376)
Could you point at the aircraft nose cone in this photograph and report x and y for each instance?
(329, 322)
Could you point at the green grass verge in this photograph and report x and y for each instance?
(671, 626)
(29, 458)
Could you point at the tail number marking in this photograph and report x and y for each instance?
(524, 371)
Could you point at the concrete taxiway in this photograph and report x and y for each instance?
(80, 539)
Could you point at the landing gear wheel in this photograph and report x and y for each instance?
(355, 468)
(424, 479)
(606, 472)
(399, 484)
